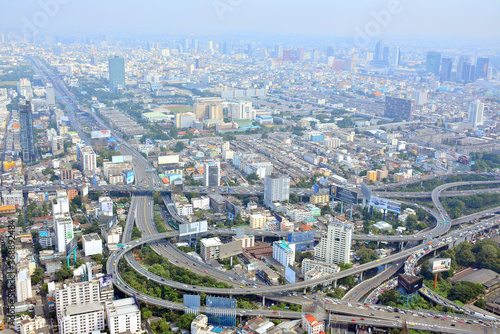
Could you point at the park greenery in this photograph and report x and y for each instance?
(485, 162)
(160, 266)
(467, 205)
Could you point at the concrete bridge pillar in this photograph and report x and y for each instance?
(263, 300)
(335, 283)
(435, 252)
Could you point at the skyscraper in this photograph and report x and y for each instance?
(396, 56)
(378, 51)
(482, 65)
(476, 110)
(227, 48)
(330, 51)
(116, 73)
(63, 224)
(462, 60)
(385, 55)
(445, 73)
(469, 72)
(211, 174)
(433, 62)
(397, 107)
(50, 95)
(27, 134)
(335, 247)
(276, 188)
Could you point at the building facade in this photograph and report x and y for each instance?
(335, 247)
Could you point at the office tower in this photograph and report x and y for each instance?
(50, 95)
(330, 52)
(82, 319)
(211, 174)
(397, 107)
(445, 73)
(462, 60)
(195, 45)
(420, 97)
(469, 72)
(396, 56)
(187, 44)
(315, 55)
(482, 65)
(476, 110)
(88, 159)
(27, 134)
(215, 111)
(433, 62)
(278, 51)
(63, 224)
(378, 51)
(385, 55)
(276, 188)
(249, 51)
(116, 73)
(23, 286)
(335, 247)
(184, 120)
(284, 253)
(200, 63)
(227, 48)
(76, 294)
(123, 316)
(241, 110)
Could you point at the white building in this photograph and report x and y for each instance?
(332, 142)
(211, 174)
(25, 325)
(335, 247)
(241, 110)
(308, 264)
(105, 206)
(276, 189)
(63, 224)
(82, 319)
(311, 325)
(476, 110)
(123, 316)
(184, 209)
(23, 286)
(210, 248)
(88, 159)
(199, 323)
(15, 197)
(257, 221)
(202, 203)
(50, 95)
(284, 253)
(92, 244)
(76, 294)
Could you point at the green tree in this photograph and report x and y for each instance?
(77, 201)
(185, 320)
(366, 255)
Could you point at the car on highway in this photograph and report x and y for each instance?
(275, 312)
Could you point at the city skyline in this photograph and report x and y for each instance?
(376, 19)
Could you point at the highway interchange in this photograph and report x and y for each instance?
(149, 178)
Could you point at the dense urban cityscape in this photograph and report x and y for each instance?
(261, 182)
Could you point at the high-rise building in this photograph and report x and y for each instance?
(227, 48)
(433, 62)
(420, 97)
(116, 73)
(241, 110)
(462, 60)
(378, 51)
(335, 247)
(469, 72)
(123, 316)
(476, 110)
(184, 120)
(50, 95)
(276, 188)
(76, 294)
(63, 224)
(397, 107)
(445, 73)
(82, 319)
(396, 56)
(88, 157)
(482, 65)
(23, 286)
(215, 111)
(24, 88)
(385, 55)
(284, 253)
(211, 174)
(330, 51)
(27, 133)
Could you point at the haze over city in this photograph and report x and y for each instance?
(250, 167)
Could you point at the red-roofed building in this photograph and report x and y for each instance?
(311, 325)
(306, 228)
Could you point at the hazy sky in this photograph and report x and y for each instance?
(469, 18)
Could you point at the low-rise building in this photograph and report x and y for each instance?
(92, 244)
(257, 221)
(82, 319)
(123, 316)
(210, 248)
(311, 325)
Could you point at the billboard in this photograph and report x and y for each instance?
(106, 206)
(128, 176)
(100, 134)
(72, 244)
(410, 284)
(106, 282)
(367, 192)
(289, 275)
(439, 264)
(385, 204)
(193, 228)
(230, 249)
(343, 195)
(117, 159)
(458, 157)
(168, 159)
